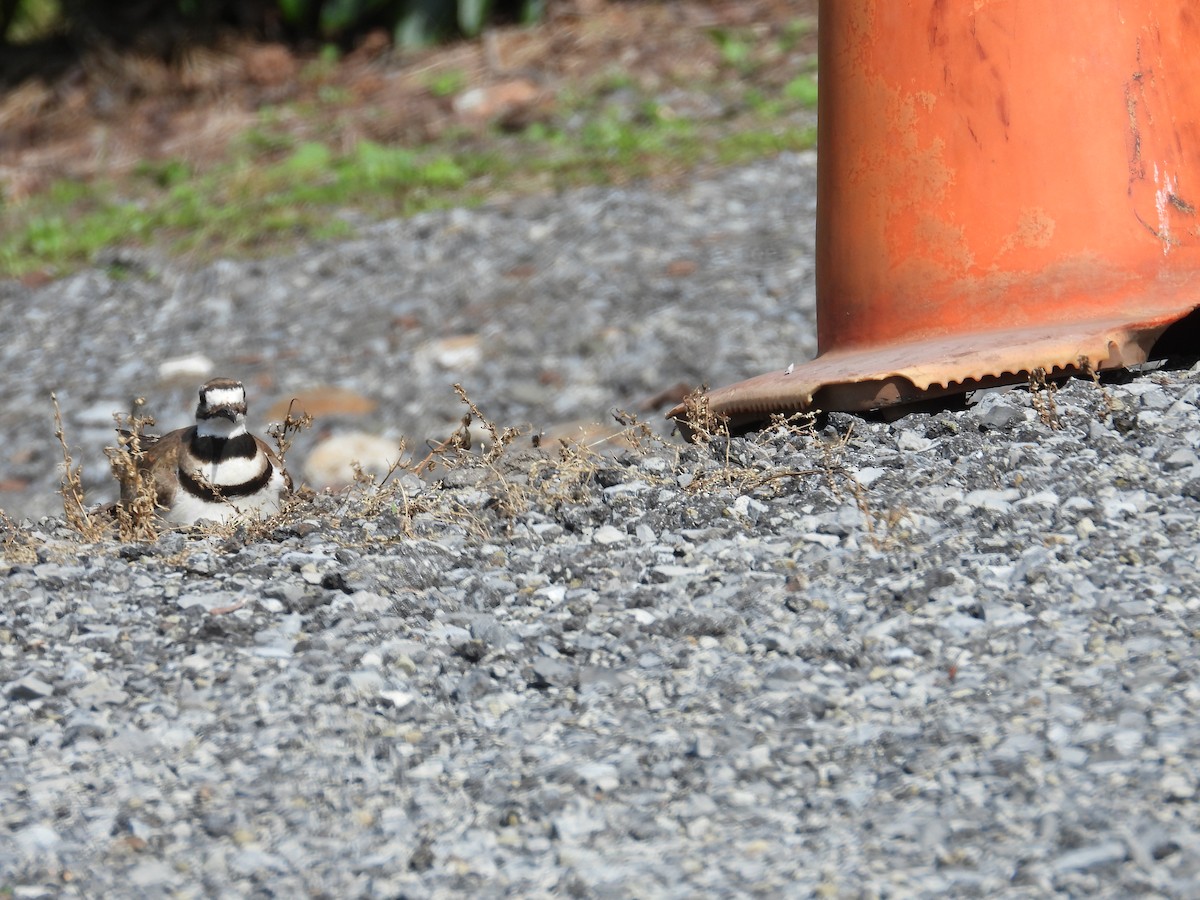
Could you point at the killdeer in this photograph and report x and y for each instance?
(214, 469)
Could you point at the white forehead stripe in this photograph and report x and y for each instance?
(224, 396)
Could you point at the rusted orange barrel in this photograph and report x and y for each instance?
(1003, 186)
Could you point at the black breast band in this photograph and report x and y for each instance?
(206, 490)
(215, 449)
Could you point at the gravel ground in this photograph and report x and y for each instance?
(949, 656)
(630, 292)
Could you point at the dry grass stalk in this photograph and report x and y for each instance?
(74, 508)
(449, 451)
(801, 428)
(247, 529)
(703, 426)
(637, 433)
(701, 423)
(388, 493)
(1043, 392)
(19, 547)
(455, 451)
(375, 494)
(1110, 404)
(284, 433)
(136, 511)
(501, 438)
(564, 479)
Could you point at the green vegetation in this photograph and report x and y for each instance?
(737, 49)
(275, 187)
(795, 30)
(28, 19)
(802, 90)
(237, 207)
(447, 82)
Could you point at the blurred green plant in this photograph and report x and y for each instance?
(447, 82)
(25, 20)
(273, 194)
(242, 206)
(164, 173)
(294, 175)
(802, 90)
(735, 48)
(794, 31)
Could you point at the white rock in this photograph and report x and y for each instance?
(869, 474)
(1000, 501)
(331, 463)
(607, 534)
(197, 367)
(1177, 786)
(399, 699)
(457, 353)
(914, 443)
(1090, 857)
(599, 776)
(38, 839)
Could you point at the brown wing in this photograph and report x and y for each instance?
(160, 462)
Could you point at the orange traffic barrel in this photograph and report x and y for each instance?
(1003, 186)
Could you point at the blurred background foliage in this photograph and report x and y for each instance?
(160, 25)
(206, 128)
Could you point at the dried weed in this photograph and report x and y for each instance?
(1111, 404)
(541, 476)
(1042, 392)
(285, 432)
(801, 430)
(74, 507)
(19, 546)
(135, 513)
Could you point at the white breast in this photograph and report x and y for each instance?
(233, 471)
(188, 510)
